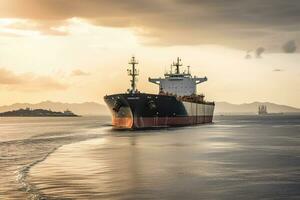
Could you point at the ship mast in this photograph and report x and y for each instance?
(133, 73)
(177, 65)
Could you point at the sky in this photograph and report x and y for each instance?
(78, 51)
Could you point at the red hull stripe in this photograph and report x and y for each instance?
(148, 122)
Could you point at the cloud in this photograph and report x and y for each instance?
(78, 72)
(277, 70)
(29, 82)
(259, 51)
(248, 55)
(9, 78)
(21, 27)
(289, 47)
(237, 23)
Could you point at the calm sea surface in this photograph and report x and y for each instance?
(236, 157)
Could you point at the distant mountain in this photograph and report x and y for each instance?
(87, 108)
(252, 108)
(92, 108)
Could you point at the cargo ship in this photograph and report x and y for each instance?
(176, 104)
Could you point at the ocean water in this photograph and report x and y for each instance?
(236, 157)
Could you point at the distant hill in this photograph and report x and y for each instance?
(37, 113)
(252, 108)
(87, 108)
(92, 108)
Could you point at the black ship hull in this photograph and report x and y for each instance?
(141, 110)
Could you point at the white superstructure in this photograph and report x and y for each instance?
(176, 83)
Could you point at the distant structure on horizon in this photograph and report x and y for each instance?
(262, 110)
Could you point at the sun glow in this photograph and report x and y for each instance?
(8, 21)
(12, 26)
(55, 50)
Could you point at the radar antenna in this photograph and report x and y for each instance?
(177, 65)
(133, 72)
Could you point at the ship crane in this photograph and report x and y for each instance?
(133, 72)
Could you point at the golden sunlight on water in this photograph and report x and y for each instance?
(194, 162)
(236, 157)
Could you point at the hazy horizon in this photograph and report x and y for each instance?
(102, 103)
(77, 51)
(94, 108)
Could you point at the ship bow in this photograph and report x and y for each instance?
(122, 117)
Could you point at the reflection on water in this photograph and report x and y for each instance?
(25, 142)
(237, 157)
(220, 161)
